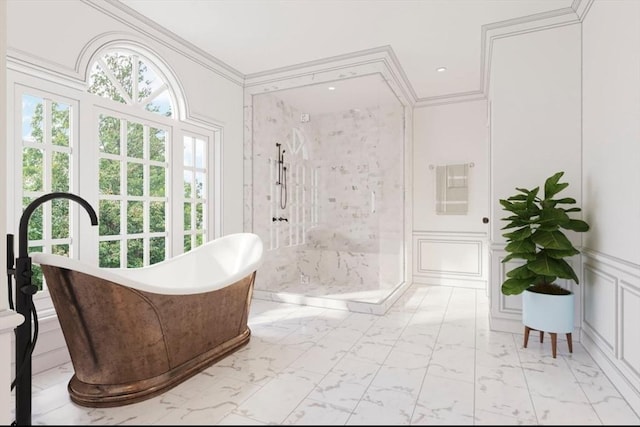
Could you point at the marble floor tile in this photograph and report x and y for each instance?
(313, 412)
(444, 401)
(383, 406)
(431, 359)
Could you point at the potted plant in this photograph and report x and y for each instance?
(538, 240)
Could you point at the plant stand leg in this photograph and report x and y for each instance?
(526, 335)
(554, 343)
(541, 336)
(569, 342)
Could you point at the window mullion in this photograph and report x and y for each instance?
(115, 82)
(152, 95)
(135, 73)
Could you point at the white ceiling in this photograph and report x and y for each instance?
(257, 36)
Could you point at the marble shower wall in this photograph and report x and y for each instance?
(273, 122)
(357, 235)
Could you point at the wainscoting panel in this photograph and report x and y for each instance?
(600, 302)
(451, 259)
(629, 333)
(611, 318)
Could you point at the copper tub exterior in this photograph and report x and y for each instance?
(128, 345)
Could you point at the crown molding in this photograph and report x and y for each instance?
(376, 60)
(489, 34)
(582, 8)
(143, 25)
(339, 66)
(508, 28)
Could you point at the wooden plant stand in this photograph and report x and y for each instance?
(554, 339)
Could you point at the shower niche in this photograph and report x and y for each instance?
(327, 193)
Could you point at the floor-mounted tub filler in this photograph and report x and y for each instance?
(135, 333)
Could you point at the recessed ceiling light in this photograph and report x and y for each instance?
(441, 69)
(331, 88)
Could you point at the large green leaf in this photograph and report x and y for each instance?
(529, 256)
(548, 227)
(521, 246)
(553, 216)
(515, 223)
(552, 186)
(566, 200)
(515, 286)
(521, 272)
(561, 253)
(551, 239)
(519, 234)
(576, 225)
(544, 279)
(547, 266)
(523, 209)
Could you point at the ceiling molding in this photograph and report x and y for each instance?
(383, 54)
(564, 17)
(489, 33)
(455, 98)
(380, 59)
(494, 31)
(582, 7)
(130, 17)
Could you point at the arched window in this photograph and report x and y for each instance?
(141, 155)
(121, 143)
(129, 79)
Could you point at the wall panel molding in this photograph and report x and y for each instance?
(595, 318)
(614, 346)
(452, 259)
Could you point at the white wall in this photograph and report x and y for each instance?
(611, 179)
(535, 132)
(4, 303)
(450, 134)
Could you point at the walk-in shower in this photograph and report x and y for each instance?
(332, 212)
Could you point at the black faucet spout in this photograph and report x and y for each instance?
(26, 215)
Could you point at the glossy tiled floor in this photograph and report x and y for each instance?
(430, 360)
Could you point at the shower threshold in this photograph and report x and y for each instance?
(351, 298)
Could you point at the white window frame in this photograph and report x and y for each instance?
(83, 130)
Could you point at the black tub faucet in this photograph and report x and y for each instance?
(25, 290)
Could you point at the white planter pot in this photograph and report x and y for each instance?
(548, 313)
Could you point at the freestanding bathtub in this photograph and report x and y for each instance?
(134, 333)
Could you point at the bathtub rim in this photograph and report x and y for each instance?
(118, 275)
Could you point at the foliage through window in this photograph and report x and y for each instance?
(133, 177)
(46, 161)
(126, 78)
(145, 172)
